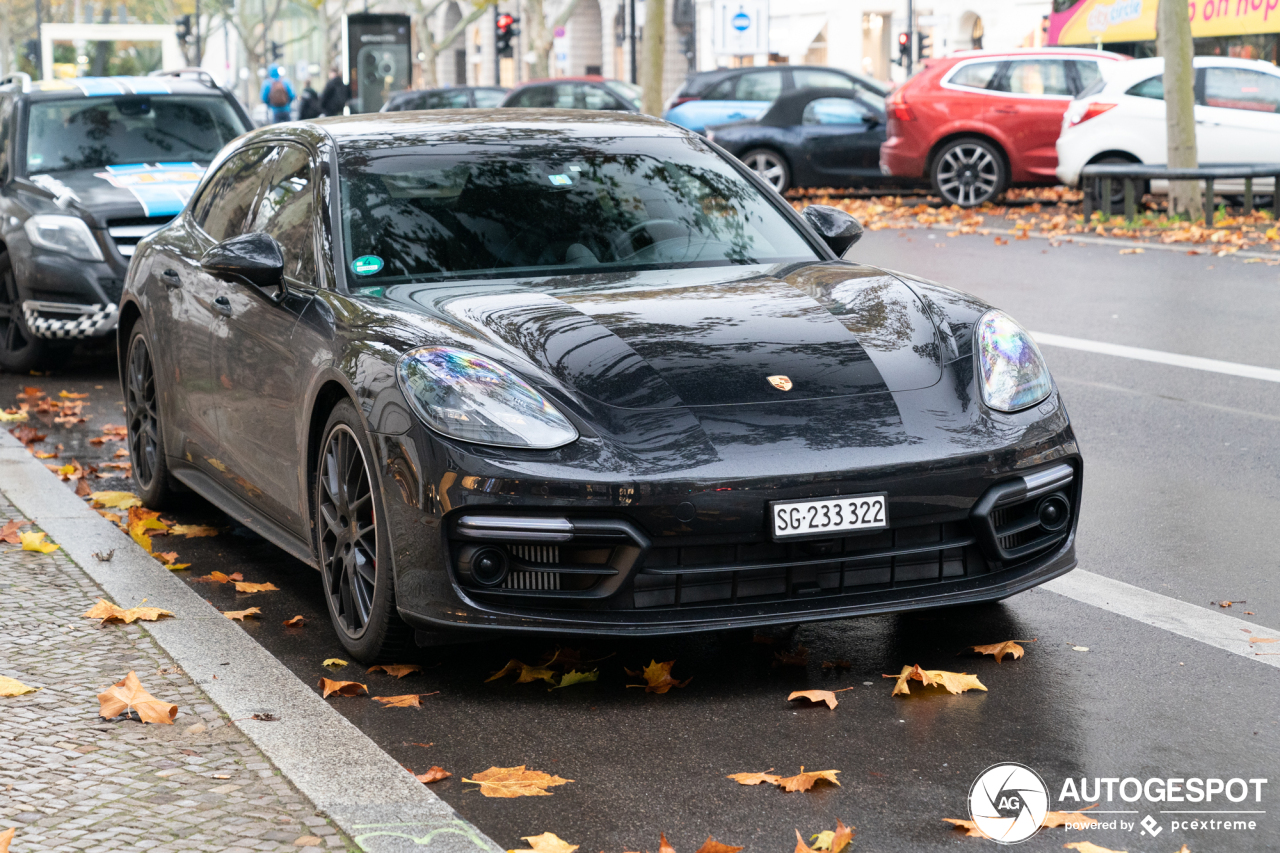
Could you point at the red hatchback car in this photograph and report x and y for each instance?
(978, 121)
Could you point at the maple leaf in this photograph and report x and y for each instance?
(9, 533)
(507, 782)
(13, 687)
(803, 781)
(999, 650)
(832, 841)
(170, 559)
(801, 847)
(335, 663)
(800, 657)
(657, 677)
(296, 622)
(713, 846)
(574, 677)
(33, 541)
(28, 435)
(129, 694)
(107, 612)
(409, 700)
(6, 837)
(547, 842)
(435, 774)
(343, 688)
(816, 696)
(115, 500)
(970, 828)
(41, 454)
(193, 531)
(527, 673)
(240, 614)
(664, 846)
(755, 778)
(399, 670)
(71, 396)
(952, 682)
(83, 489)
(242, 586)
(1090, 847)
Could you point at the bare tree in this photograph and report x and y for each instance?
(1174, 41)
(329, 21)
(540, 32)
(431, 47)
(655, 52)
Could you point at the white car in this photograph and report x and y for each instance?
(1121, 118)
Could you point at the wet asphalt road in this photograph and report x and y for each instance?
(1180, 497)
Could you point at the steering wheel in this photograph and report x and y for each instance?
(630, 233)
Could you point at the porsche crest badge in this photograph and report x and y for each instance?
(782, 383)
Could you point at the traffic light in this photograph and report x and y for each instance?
(277, 51)
(504, 31)
(904, 49)
(924, 44)
(184, 28)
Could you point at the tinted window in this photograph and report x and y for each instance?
(91, 133)
(598, 99)
(722, 91)
(6, 124)
(834, 111)
(1089, 73)
(628, 92)
(486, 98)
(224, 206)
(759, 86)
(447, 99)
(1035, 77)
(976, 75)
(1241, 89)
(285, 211)
(1152, 87)
(508, 210)
(558, 97)
(807, 78)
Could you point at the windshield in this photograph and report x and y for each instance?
(578, 206)
(92, 133)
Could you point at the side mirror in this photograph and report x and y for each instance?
(253, 258)
(838, 229)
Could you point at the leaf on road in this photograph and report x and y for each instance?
(296, 622)
(1132, 251)
(573, 677)
(803, 781)
(241, 614)
(657, 677)
(664, 846)
(28, 435)
(305, 840)
(713, 846)
(833, 841)
(343, 688)
(69, 395)
(105, 612)
(527, 673)
(816, 696)
(13, 687)
(242, 586)
(970, 828)
(9, 533)
(952, 682)
(1263, 640)
(114, 500)
(547, 842)
(1090, 847)
(334, 663)
(12, 416)
(6, 837)
(509, 782)
(399, 670)
(999, 650)
(409, 700)
(129, 694)
(435, 774)
(170, 559)
(755, 778)
(193, 531)
(34, 541)
(801, 847)
(800, 657)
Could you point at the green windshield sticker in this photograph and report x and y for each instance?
(366, 265)
(560, 180)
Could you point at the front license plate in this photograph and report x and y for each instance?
(828, 515)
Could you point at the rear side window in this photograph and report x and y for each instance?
(1152, 87)
(486, 98)
(224, 206)
(446, 100)
(807, 78)
(597, 99)
(1088, 73)
(1241, 89)
(975, 75)
(834, 111)
(1035, 77)
(722, 91)
(759, 86)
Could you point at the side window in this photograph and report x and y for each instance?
(975, 75)
(1241, 89)
(1036, 77)
(722, 91)
(598, 99)
(1152, 87)
(536, 96)
(224, 205)
(834, 111)
(759, 86)
(286, 208)
(455, 99)
(807, 78)
(488, 98)
(1088, 73)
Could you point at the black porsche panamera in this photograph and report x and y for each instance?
(579, 372)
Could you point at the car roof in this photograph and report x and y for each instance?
(100, 87)
(1077, 52)
(586, 78)
(1141, 69)
(501, 125)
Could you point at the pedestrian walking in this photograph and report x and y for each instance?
(335, 95)
(308, 102)
(278, 95)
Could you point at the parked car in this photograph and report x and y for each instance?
(89, 166)
(809, 138)
(977, 122)
(576, 93)
(1122, 118)
(449, 98)
(582, 373)
(735, 94)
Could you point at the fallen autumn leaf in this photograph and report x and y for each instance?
(241, 614)
(13, 687)
(657, 677)
(343, 688)
(105, 612)
(334, 663)
(952, 682)
(296, 622)
(507, 782)
(408, 700)
(999, 650)
(243, 586)
(547, 842)
(1090, 847)
(114, 500)
(34, 541)
(399, 670)
(435, 774)
(129, 693)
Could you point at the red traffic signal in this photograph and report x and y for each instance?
(903, 39)
(504, 21)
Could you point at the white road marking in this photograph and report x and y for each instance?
(1160, 611)
(1195, 362)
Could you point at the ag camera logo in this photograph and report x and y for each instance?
(1008, 802)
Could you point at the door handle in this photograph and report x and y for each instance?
(223, 304)
(1005, 110)
(171, 279)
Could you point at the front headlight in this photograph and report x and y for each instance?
(66, 234)
(467, 396)
(1014, 375)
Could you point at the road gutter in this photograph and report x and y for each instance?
(362, 789)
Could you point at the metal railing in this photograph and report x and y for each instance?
(1097, 178)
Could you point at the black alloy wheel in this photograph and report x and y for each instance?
(20, 351)
(142, 413)
(358, 584)
(968, 172)
(770, 166)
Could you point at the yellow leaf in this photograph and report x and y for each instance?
(114, 500)
(343, 688)
(953, 682)
(999, 650)
(336, 663)
(803, 781)
(13, 687)
(573, 677)
(33, 541)
(755, 778)
(242, 586)
(409, 700)
(11, 417)
(107, 612)
(6, 837)
(547, 842)
(816, 696)
(241, 614)
(193, 531)
(527, 673)
(129, 693)
(657, 677)
(435, 774)
(507, 782)
(399, 670)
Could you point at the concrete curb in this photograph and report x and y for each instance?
(1206, 249)
(331, 762)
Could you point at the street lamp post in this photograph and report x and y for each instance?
(631, 39)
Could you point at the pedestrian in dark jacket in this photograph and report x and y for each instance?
(308, 102)
(335, 95)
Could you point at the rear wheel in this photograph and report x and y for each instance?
(770, 166)
(20, 350)
(1117, 186)
(968, 172)
(142, 413)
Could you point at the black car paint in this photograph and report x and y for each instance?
(678, 444)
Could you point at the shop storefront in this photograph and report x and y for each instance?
(1248, 29)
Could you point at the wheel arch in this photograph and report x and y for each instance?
(330, 393)
(966, 134)
(130, 315)
(1114, 152)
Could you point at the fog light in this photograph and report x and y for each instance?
(485, 566)
(1054, 512)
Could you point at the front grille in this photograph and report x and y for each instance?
(673, 577)
(126, 233)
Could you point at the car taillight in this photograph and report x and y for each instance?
(1092, 111)
(675, 102)
(899, 108)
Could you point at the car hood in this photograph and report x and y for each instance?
(139, 189)
(702, 337)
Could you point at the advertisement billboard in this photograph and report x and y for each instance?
(1093, 21)
(376, 58)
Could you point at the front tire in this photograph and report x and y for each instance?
(770, 166)
(20, 350)
(353, 546)
(968, 172)
(150, 468)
